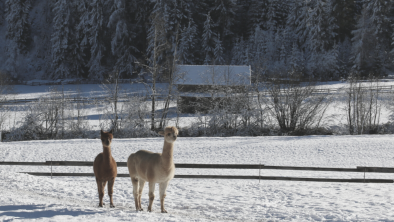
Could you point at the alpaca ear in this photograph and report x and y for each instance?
(101, 132)
(161, 133)
(112, 130)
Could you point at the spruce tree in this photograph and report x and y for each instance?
(344, 11)
(257, 13)
(223, 17)
(122, 39)
(372, 34)
(218, 51)
(62, 35)
(208, 40)
(96, 27)
(187, 45)
(18, 24)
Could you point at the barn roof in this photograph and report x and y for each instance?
(213, 75)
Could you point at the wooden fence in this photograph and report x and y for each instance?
(382, 89)
(360, 169)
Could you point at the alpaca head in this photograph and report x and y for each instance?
(170, 134)
(106, 138)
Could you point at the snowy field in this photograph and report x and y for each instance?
(26, 197)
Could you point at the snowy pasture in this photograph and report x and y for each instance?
(26, 197)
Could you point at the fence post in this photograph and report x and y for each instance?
(259, 171)
(1, 136)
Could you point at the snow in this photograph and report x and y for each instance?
(26, 197)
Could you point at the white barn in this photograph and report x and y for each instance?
(203, 78)
(192, 78)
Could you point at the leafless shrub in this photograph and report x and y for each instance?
(295, 105)
(135, 118)
(6, 90)
(363, 105)
(76, 123)
(43, 120)
(110, 106)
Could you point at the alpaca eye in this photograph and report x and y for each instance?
(169, 134)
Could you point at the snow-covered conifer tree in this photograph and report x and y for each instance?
(122, 39)
(79, 46)
(296, 60)
(18, 32)
(362, 42)
(96, 25)
(381, 19)
(344, 12)
(158, 45)
(178, 17)
(142, 12)
(218, 51)
(344, 54)
(237, 52)
(18, 24)
(257, 47)
(301, 18)
(187, 44)
(321, 39)
(258, 13)
(63, 33)
(223, 16)
(372, 34)
(208, 38)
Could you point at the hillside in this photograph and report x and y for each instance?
(323, 39)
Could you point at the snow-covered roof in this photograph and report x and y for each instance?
(227, 75)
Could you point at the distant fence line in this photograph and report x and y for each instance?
(383, 89)
(361, 169)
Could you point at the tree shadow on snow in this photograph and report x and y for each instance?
(38, 211)
(21, 207)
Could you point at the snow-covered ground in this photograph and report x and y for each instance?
(26, 197)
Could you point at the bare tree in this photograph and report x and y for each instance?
(172, 78)
(152, 66)
(111, 90)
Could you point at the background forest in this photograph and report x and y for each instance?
(314, 39)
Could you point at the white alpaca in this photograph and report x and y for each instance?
(154, 168)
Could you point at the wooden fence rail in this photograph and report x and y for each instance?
(217, 166)
(361, 169)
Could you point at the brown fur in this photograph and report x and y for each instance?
(153, 167)
(105, 168)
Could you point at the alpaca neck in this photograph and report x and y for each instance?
(167, 155)
(107, 153)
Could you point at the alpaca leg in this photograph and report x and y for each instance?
(151, 195)
(135, 193)
(162, 190)
(100, 188)
(111, 191)
(141, 187)
(103, 184)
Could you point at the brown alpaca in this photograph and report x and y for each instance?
(105, 168)
(154, 168)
